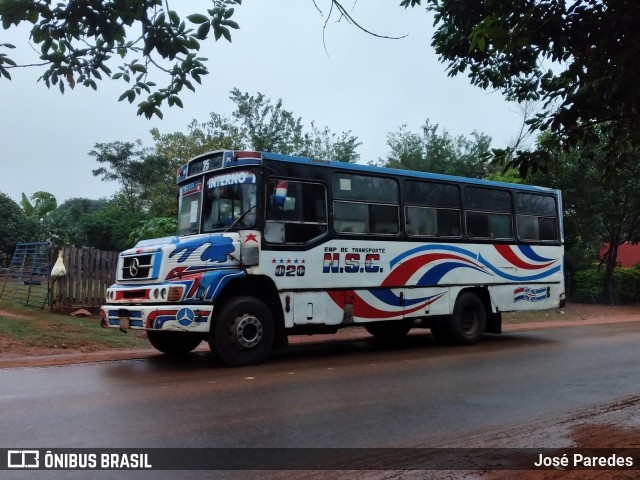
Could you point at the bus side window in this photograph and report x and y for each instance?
(432, 209)
(296, 211)
(365, 204)
(536, 217)
(488, 213)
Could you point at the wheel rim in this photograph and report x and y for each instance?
(246, 331)
(469, 320)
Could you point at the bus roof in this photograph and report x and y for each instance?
(355, 167)
(228, 158)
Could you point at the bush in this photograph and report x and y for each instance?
(626, 284)
(589, 285)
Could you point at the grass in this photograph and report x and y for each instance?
(540, 316)
(24, 327)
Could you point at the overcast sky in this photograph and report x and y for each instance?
(367, 85)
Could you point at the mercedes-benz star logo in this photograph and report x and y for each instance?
(134, 267)
(185, 317)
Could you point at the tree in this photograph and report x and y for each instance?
(217, 133)
(156, 227)
(325, 144)
(267, 127)
(257, 124)
(142, 176)
(578, 57)
(39, 212)
(43, 204)
(109, 228)
(597, 210)
(80, 41)
(431, 151)
(63, 222)
(15, 228)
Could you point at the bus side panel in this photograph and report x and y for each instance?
(521, 297)
(344, 307)
(422, 302)
(357, 281)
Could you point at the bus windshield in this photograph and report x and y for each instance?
(229, 200)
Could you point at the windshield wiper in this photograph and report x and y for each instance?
(235, 222)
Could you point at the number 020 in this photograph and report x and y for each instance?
(290, 271)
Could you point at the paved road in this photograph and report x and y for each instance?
(344, 394)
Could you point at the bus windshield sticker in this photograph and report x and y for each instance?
(235, 178)
(193, 214)
(194, 187)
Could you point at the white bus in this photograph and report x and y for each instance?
(270, 245)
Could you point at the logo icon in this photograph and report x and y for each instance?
(23, 459)
(134, 267)
(185, 317)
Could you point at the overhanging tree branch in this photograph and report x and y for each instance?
(102, 28)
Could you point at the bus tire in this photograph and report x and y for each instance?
(468, 321)
(174, 343)
(388, 331)
(243, 331)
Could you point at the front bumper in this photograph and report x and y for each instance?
(186, 318)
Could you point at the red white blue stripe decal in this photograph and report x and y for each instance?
(427, 266)
(435, 261)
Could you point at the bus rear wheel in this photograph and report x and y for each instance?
(174, 343)
(468, 321)
(243, 331)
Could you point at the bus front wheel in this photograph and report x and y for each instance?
(468, 321)
(243, 331)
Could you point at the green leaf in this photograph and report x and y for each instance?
(7, 60)
(230, 23)
(192, 44)
(135, 67)
(198, 18)
(174, 100)
(203, 31)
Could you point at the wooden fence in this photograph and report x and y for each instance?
(89, 273)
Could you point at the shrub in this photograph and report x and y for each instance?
(589, 285)
(626, 284)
